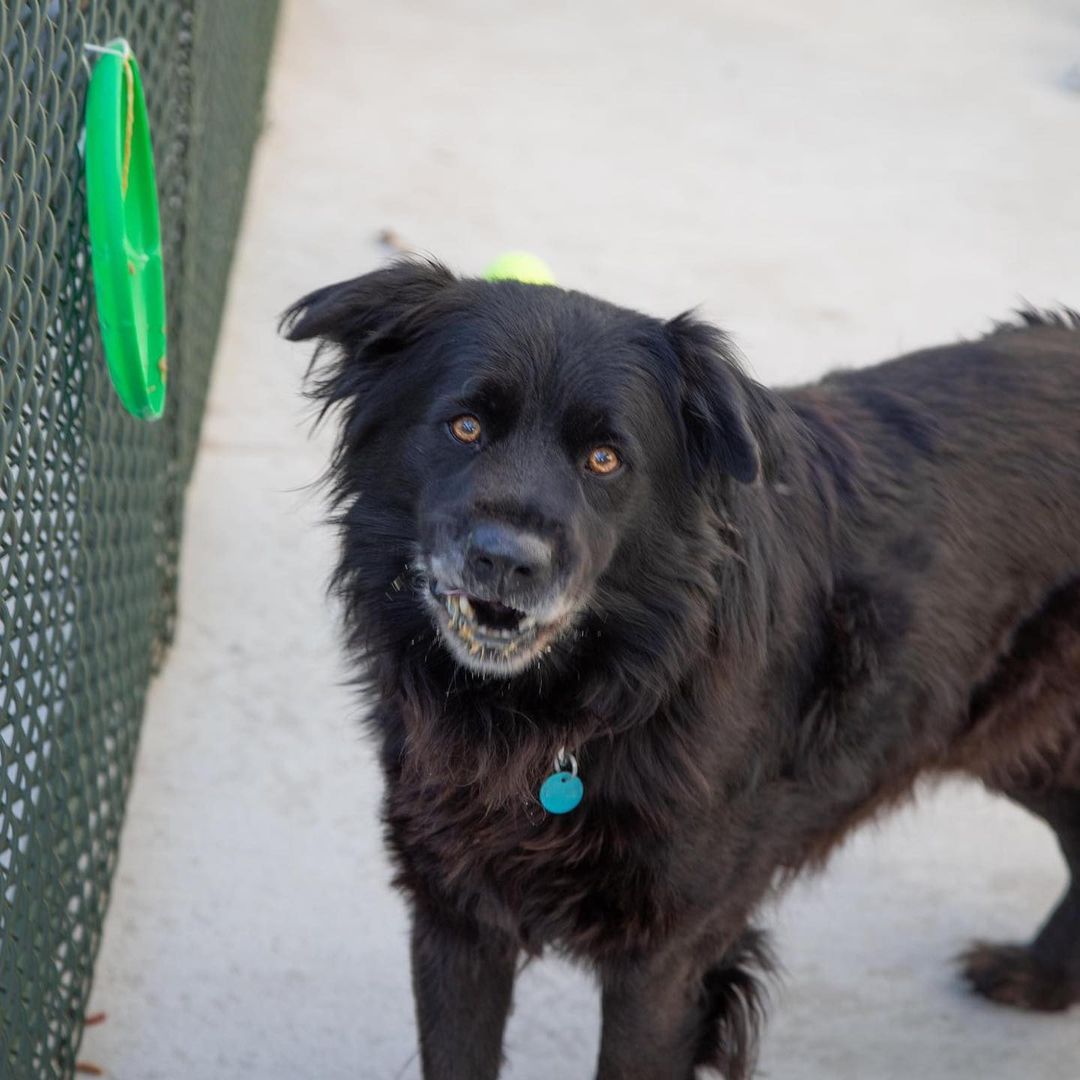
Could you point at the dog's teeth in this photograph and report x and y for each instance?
(490, 644)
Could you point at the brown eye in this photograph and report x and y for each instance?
(465, 429)
(602, 460)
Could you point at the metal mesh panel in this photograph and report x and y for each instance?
(90, 498)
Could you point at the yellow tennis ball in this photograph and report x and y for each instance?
(520, 266)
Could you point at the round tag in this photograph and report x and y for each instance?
(561, 792)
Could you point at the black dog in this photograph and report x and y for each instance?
(578, 540)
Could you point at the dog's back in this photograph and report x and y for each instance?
(962, 470)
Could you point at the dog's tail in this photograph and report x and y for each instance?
(734, 999)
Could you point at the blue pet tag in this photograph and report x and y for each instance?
(562, 790)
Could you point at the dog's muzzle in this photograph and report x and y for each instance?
(493, 599)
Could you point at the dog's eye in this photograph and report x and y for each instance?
(602, 460)
(465, 429)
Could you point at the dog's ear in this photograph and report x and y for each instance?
(369, 312)
(717, 400)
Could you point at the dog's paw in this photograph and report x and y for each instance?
(1010, 975)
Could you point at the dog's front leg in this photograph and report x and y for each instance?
(463, 981)
(650, 1020)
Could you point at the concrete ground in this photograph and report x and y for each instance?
(833, 181)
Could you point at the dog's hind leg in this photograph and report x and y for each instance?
(666, 1016)
(463, 981)
(1045, 974)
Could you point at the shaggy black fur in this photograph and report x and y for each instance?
(780, 610)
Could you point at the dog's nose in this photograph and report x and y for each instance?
(505, 560)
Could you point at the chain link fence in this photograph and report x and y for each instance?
(90, 498)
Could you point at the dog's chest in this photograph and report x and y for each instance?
(591, 881)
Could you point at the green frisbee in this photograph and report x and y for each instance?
(125, 232)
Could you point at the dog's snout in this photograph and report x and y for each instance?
(504, 560)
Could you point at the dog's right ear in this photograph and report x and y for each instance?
(718, 402)
(367, 313)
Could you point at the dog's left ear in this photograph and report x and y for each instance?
(716, 400)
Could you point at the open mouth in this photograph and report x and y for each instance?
(490, 636)
(487, 624)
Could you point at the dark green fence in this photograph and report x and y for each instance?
(90, 498)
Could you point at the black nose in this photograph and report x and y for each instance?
(503, 560)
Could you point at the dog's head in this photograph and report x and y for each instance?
(521, 454)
